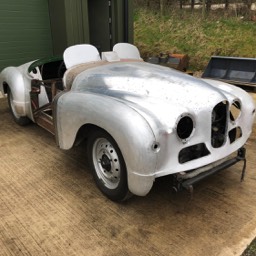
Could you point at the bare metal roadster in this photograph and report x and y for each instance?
(141, 121)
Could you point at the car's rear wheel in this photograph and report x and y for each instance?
(21, 120)
(108, 166)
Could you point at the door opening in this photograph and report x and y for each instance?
(100, 24)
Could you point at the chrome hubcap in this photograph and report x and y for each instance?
(106, 163)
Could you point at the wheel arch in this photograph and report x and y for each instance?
(77, 115)
(139, 181)
(5, 87)
(13, 79)
(84, 132)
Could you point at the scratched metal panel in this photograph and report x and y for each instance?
(25, 31)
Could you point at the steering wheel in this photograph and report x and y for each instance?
(61, 70)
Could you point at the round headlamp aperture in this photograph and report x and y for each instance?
(185, 127)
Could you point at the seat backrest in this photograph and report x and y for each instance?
(127, 51)
(79, 54)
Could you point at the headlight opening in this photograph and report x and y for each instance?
(185, 127)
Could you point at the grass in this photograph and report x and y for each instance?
(189, 33)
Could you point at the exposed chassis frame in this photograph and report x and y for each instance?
(43, 116)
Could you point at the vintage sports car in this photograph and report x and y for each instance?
(141, 121)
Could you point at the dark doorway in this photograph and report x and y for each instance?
(100, 24)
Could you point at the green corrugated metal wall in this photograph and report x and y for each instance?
(25, 32)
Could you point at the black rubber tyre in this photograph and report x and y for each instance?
(21, 120)
(108, 166)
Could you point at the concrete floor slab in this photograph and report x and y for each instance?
(49, 205)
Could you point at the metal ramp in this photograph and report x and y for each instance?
(233, 70)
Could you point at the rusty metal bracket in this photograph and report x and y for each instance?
(171, 60)
(241, 156)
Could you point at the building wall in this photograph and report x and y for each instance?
(32, 29)
(25, 32)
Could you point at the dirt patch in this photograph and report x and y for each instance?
(49, 205)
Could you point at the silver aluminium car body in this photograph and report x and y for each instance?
(163, 121)
(140, 104)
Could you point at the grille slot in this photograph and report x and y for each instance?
(235, 134)
(193, 152)
(219, 124)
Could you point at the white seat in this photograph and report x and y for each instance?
(127, 51)
(79, 54)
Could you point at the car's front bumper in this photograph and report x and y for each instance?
(188, 179)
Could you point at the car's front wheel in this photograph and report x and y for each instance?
(108, 166)
(21, 120)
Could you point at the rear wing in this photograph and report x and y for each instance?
(233, 70)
